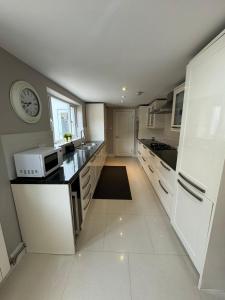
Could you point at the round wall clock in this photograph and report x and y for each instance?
(25, 101)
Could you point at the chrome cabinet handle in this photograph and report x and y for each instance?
(86, 184)
(164, 166)
(85, 196)
(189, 191)
(152, 153)
(144, 146)
(150, 169)
(88, 169)
(86, 206)
(192, 183)
(163, 187)
(143, 158)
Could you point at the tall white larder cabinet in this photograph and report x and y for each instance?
(201, 150)
(96, 121)
(4, 260)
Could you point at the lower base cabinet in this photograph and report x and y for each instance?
(192, 222)
(161, 176)
(89, 177)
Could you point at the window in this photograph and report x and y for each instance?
(64, 119)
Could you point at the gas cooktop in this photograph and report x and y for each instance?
(160, 146)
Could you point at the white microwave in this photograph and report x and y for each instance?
(37, 162)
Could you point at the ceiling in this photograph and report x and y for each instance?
(94, 47)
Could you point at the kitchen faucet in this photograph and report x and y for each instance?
(82, 137)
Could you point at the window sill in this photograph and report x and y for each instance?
(64, 143)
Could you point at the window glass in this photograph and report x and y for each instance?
(63, 119)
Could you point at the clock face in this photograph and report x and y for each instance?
(25, 101)
(29, 102)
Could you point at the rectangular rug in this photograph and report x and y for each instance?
(113, 184)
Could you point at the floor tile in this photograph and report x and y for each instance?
(37, 277)
(164, 239)
(127, 233)
(98, 276)
(161, 277)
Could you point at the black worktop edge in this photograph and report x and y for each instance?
(44, 180)
(155, 152)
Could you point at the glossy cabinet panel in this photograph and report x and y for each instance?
(192, 221)
(202, 141)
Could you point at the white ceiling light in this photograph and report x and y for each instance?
(124, 88)
(123, 97)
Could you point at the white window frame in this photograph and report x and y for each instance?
(73, 130)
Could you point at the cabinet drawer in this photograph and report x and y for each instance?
(85, 172)
(192, 221)
(167, 173)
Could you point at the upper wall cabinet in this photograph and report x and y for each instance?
(155, 121)
(178, 98)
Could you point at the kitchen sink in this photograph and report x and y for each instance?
(87, 146)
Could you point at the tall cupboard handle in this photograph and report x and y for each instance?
(191, 183)
(85, 196)
(150, 169)
(83, 175)
(164, 166)
(189, 191)
(86, 206)
(143, 158)
(152, 153)
(163, 187)
(86, 184)
(144, 146)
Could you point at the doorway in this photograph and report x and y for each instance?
(123, 123)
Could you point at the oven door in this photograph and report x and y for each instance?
(51, 162)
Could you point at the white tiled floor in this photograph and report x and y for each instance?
(127, 251)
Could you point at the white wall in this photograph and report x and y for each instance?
(18, 135)
(165, 135)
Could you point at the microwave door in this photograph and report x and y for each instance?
(51, 162)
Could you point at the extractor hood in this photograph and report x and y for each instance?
(163, 107)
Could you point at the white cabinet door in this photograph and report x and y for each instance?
(4, 260)
(202, 141)
(124, 132)
(192, 220)
(178, 99)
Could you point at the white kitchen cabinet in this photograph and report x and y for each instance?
(143, 116)
(161, 176)
(4, 260)
(89, 177)
(192, 221)
(155, 121)
(202, 138)
(96, 121)
(177, 110)
(201, 150)
(45, 217)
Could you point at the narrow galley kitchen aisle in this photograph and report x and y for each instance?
(127, 251)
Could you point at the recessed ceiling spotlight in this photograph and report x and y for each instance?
(123, 97)
(139, 93)
(124, 88)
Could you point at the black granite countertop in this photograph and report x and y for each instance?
(73, 163)
(168, 156)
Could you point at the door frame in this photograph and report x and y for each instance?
(114, 128)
